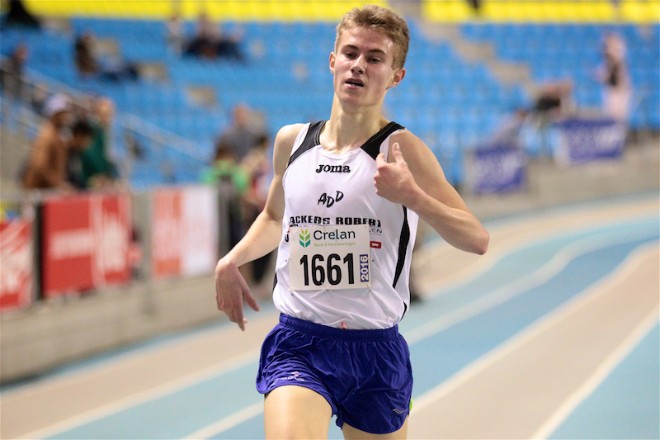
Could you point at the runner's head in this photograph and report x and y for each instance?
(382, 20)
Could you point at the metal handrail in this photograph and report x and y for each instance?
(126, 124)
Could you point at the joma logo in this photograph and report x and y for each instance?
(333, 169)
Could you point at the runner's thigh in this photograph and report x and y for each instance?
(295, 412)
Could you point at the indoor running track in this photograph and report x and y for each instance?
(552, 334)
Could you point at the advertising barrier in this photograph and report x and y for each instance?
(584, 140)
(184, 229)
(16, 254)
(496, 168)
(85, 242)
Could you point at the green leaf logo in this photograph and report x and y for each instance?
(304, 238)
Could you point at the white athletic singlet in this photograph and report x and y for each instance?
(332, 214)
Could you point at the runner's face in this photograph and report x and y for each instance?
(362, 66)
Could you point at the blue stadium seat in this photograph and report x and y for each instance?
(450, 102)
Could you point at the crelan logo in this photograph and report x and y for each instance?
(304, 238)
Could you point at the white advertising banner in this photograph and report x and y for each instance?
(185, 231)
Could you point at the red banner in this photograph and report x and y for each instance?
(86, 242)
(17, 266)
(184, 231)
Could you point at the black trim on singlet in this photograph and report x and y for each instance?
(371, 146)
(404, 240)
(312, 139)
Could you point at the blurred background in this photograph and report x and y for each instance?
(136, 138)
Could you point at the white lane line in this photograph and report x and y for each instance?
(497, 297)
(104, 367)
(598, 376)
(507, 238)
(518, 286)
(145, 396)
(228, 422)
(480, 364)
(524, 336)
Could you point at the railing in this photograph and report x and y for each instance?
(150, 148)
(146, 154)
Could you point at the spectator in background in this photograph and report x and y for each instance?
(229, 45)
(210, 42)
(475, 5)
(82, 134)
(553, 100)
(12, 71)
(96, 167)
(18, 15)
(242, 134)
(84, 55)
(613, 74)
(249, 181)
(203, 42)
(225, 170)
(174, 33)
(257, 166)
(47, 165)
(88, 65)
(38, 98)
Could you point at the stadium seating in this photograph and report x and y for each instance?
(451, 103)
(573, 51)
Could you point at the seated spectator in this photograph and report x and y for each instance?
(18, 15)
(174, 33)
(47, 165)
(205, 38)
(89, 65)
(84, 56)
(11, 71)
(210, 42)
(229, 46)
(510, 130)
(553, 99)
(38, 98)
(475, 5)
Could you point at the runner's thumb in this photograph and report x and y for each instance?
(396, 153)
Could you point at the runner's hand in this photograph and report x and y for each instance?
(393, 180)
(230, 292)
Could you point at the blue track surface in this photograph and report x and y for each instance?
(456, 325)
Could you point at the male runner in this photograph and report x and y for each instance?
(343, 208)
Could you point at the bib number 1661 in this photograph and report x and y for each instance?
(334, 269)
(329, 257)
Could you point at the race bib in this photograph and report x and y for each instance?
(329, 257)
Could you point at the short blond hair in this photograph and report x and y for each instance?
(382, 20)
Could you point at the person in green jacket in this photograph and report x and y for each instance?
(97, 168)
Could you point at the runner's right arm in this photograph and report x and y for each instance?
(263, 236)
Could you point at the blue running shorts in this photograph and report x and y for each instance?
(365, 375)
